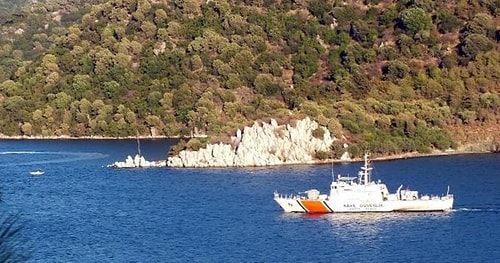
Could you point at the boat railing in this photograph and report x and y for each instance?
(288, 196)
(447, 196)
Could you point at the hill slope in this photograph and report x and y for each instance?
(388, 76)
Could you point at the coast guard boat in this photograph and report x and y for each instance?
(361, 194)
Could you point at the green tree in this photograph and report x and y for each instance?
(62, 100)
(183, 101)
(160, 18)
(447, 22)
(414, 19)
(321, 9)
(482, 24)
(363, 33)
(473, 45)
(388, 16)
(111, 89)
(82, 83)
(149, 29)
(16, 108)
(11, 88)
(490, 100)
(305, 63)
(103, 61)
(394, 70)
(265, 85)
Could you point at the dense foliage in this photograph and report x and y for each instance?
(388, 76)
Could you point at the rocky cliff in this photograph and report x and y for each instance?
(261, 144)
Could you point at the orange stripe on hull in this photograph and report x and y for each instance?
(314, 206)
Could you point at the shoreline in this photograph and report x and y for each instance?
(390, 157)
(403, 156)
(4, 137)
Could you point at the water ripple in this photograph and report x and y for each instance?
(51, 157)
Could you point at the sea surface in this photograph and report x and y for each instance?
(82, 211)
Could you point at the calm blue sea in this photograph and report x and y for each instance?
(82, 211)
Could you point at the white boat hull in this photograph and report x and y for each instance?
(300, 205)
(442, 204)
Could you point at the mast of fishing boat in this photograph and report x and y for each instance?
(139, 149)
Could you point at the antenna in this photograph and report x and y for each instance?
(138, 143)
(333, 174)
(365, 172)
(138, 146)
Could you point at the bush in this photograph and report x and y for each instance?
(176, 149)
(414, 20)
(322, 155)
(474, 44)
(447, 22)
(350, 125)
(318, 133)
(196, 143)
(395, 70)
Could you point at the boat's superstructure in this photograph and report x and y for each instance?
(361, 194)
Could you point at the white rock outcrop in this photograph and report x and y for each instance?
(260, 145)
(137, 162)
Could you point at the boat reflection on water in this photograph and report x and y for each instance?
(371, 218)
(364, 225)
(368, 233)
(368, 217)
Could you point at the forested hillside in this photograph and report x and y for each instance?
(385, 76)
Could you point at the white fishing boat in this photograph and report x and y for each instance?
(37, 172)
(361, 194)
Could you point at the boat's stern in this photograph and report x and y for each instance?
(448, 202)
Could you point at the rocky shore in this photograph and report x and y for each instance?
(137, 162)
(262, 144)
(265, 144)
(268, 144)
(140, 162)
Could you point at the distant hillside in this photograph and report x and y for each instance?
(386, 76)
